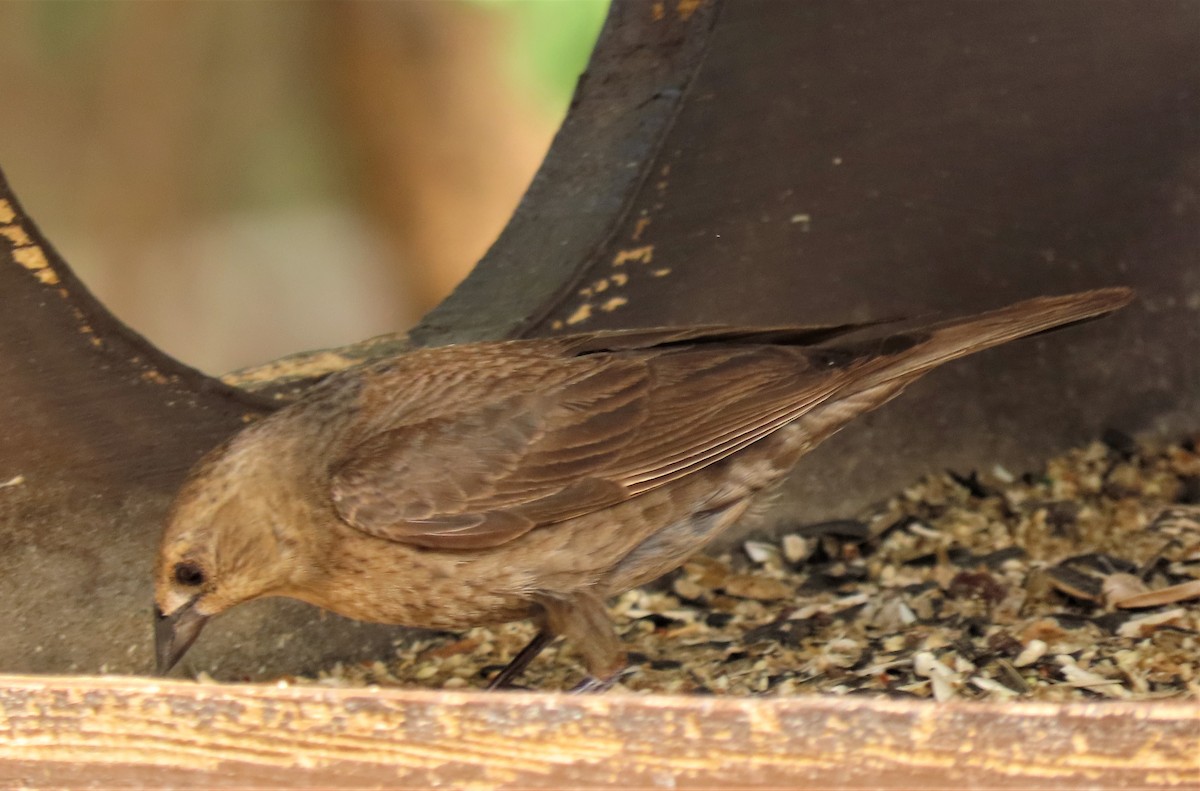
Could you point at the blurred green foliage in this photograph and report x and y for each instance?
(549, 46)
(68, 31)
(551, 42)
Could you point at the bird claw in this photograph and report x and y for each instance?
(591, 684)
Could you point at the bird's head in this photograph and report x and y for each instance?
(231, 536)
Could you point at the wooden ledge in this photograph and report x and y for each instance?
(125, 732)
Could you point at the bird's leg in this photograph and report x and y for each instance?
(521, 661)
(583, 620)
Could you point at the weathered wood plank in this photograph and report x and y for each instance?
(130, 732)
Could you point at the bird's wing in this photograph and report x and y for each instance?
(614, 426)
(700, 335)
(493, 455)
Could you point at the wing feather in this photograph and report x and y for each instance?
(619, 425)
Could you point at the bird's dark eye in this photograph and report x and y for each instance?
(189, 574)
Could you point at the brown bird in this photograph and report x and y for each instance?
(489, 482)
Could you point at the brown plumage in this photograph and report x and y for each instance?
(489, 482)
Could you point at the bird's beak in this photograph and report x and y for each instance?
(175, 633)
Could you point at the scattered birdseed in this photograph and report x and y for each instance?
(1032, 652)
(1081, 581)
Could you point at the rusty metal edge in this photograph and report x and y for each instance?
(624, 106)
(126, 347)
(126, 731)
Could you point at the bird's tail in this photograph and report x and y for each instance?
(917, 352)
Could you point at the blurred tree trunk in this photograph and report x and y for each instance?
(176, 147)
(445, 146)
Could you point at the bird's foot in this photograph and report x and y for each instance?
(591, 684)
